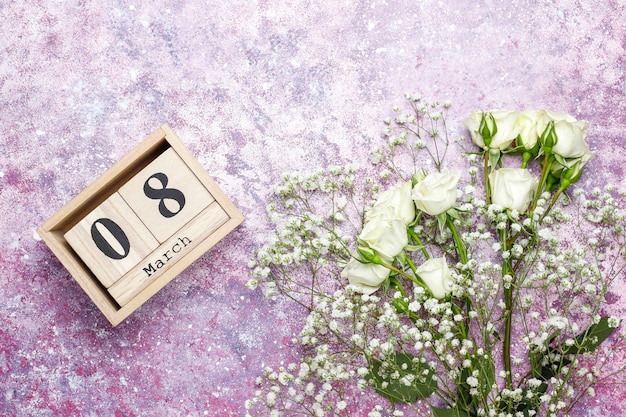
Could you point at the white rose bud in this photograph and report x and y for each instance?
(512, 188)
(506, 129)
(366, 277)
(436, 275)
(385, 234)
(437, 192)
(398, 198)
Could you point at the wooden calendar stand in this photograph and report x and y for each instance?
(140, 224)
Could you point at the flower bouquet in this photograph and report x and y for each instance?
(475, 292)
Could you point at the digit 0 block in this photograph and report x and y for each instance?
(139, 225)
(111, 240)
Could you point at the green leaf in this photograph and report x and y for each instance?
(591, 338)
(402, 307)
(586, 341)
(448, 412)
(400, 365)
(487, 373)
(486, 378)
(454, 213)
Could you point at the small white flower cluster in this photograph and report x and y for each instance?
(422, 129)
(310, 212)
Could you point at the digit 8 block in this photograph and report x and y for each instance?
(140, 224)
(166, 195)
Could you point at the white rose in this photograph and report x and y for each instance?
(472, 123)
(436, 275)
(398, 198)
(560, 116)
(437, 193)
(366, 277)
(512, 188)
(385, 234)
(531, 124)
(506, 129)
(571, 139)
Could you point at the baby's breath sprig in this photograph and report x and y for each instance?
(316, 216)
(411, 133)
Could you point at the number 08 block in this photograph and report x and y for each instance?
(135, 228)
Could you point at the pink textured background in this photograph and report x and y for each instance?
(254, 89)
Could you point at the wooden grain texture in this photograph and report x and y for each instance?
(165, 195)
(138, 239)
(169, 253)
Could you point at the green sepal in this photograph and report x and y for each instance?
(442, 218)
(420, 175)
(494, 158)
(487, 128)
(368, 255)
(454, 213)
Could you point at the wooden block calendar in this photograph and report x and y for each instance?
(140, 224)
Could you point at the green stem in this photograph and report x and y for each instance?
(409, 261)
(394, 283)
(545, 171)
(508, 313)
(508, 300)
(404, 274)
(417, 240)
(554, 199)
(460, 247)
(486, 175)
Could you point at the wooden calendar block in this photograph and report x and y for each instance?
(166, 205)
(166, 255)
(165, 195)
(111, 240)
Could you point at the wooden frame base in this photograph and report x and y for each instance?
(53, 229)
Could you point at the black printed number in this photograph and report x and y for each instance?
(121, 249)
(114, 242)
(163, 194)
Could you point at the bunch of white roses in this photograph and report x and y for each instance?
(556, 139)
(384, 235)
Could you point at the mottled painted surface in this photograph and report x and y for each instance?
(254, 89)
